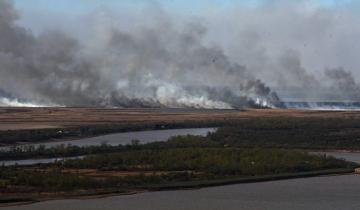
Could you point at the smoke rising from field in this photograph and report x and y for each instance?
(241, 57)
(157, 66)
(343, 82)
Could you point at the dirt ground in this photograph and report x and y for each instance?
(37, 118)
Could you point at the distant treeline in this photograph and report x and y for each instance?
(210, 161)
(298, 133)
(31, 151)
(166, 166)
(12, 137)
(250, 150)
(301, 133)
(287, 132)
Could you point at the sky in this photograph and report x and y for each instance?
(290, 45)
(37, 14)
(181, 6)
(86, 5)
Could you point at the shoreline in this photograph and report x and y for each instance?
(191, 185)
(39, 125)
(334, 150)
(127, 128)
(68, 139)
(311, 151)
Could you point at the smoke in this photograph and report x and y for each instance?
(290, 44)
(343, 82)
(161, 65)
(243, 56)
(342, 79)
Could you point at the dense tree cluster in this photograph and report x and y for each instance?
(246, 150)
(305, 133)
(213, 161)
(172, 165)
(12, 137)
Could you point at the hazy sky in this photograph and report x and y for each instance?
(321, 31)
(181, 6)
(303, 44)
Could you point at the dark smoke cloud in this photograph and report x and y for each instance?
(153, 66)
(225, 59)
(293, 73)
(343, 82)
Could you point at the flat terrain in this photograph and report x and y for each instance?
(248, 146)
(320, 193)
(40, 118)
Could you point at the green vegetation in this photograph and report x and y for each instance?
(249, 150)
(304, 133)
(292, 133)
(156, 167)
(30, 151)
(283, 132)
(210, 161)
(12, 137)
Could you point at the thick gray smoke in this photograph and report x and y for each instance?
(290, 44)
(153, 66)
(343, 82)
(226, 58)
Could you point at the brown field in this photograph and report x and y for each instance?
(38, 118)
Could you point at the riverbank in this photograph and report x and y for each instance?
(161, 166)
(36, 125)
(320, 193)
(64, 135)
(21, 200)
(253, 149)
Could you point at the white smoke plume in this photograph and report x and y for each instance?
(16, 103)
(160, 65)
(236, 57)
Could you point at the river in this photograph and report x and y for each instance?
(349, 156)
(318, 193)
(113, 139)
(127, 137)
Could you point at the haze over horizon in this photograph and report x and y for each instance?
(208, 54)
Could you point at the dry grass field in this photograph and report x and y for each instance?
(39, 118)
